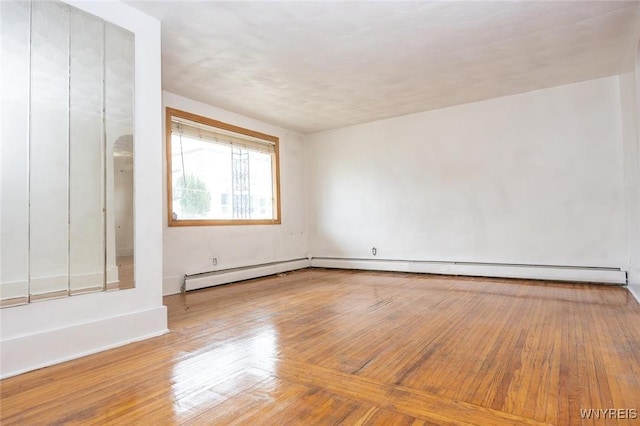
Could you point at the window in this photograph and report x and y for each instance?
(220, 174)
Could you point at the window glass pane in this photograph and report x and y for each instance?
(261, 185)
(217, 182)
(220, 177)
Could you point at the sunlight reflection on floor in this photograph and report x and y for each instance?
(203, 378)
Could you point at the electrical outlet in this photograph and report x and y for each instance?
(215, 261)
(374, 251)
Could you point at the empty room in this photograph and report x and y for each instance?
(320, 212)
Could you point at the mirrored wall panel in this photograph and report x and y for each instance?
(49, 151)
(119, 56)
(14, 155)
(86, 160)
(66, 153)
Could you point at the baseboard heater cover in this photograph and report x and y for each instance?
(538, 272)
(226, 276)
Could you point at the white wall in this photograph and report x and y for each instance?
(190, 250)
(534, 178)
(630, 106)
(44, 333)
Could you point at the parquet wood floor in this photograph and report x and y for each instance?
(352, 347)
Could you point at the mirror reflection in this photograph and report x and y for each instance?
(66, 177)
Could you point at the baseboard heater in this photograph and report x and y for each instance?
(226, 276)
(592, 274)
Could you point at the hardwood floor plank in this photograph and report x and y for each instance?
(359, 348)
(404, 400)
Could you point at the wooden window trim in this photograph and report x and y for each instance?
(171, 112)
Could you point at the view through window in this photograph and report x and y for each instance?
(220, 173)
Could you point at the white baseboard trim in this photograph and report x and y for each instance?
(555, 273)
(49, 284)
(209, 279)
(31, 352)
(113, 274)
(635, 291)
(14, 289)
(172, 284)
(128, 251)
(53, 284)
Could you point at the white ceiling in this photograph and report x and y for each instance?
(312, 66)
